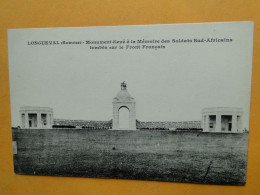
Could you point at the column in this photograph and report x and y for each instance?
(234, 123)
(115, 117)
(218, 123)
(206, 125)
(22, 122)
(52, 121)
(239, 123)
(26, 120)
(39, 121)
(48, 120)
(202, 121)
(132, 117)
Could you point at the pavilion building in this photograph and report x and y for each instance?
(36, 117)
(222, 119)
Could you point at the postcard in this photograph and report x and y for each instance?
(145, 102)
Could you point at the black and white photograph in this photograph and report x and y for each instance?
(143, 102)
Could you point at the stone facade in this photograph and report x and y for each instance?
(124, 99)
(222, 119)
(36, 117)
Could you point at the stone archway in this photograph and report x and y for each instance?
(124, 117)
(124, 99)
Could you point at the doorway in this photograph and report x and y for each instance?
(124, 118)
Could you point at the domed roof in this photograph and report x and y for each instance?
(123, 94)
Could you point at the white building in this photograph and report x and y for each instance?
(222, 119)
(36, 117)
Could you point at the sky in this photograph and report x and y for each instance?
(171, 84)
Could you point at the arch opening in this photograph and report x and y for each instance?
(124, 122)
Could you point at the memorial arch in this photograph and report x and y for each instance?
(124, 100)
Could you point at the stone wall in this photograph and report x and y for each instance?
(182, 125)
(88, 124)
(168, 125)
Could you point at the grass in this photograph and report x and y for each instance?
(147, 155)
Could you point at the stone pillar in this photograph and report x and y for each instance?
(39, 121)
(202, 121)
(206, 125)
(132, 118)
(218, 123)
(116, 117)
(48, 120)
(52, 121)
(239, 123)
(22, 121)
(234, 123)
(26, 120)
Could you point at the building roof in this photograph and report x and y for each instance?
(223, 110)
(123, 96)
(35, 109)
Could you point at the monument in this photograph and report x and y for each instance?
(215, 119)
(124, 100)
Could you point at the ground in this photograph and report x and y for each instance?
(194, 157)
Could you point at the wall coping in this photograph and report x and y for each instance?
(222, 109)
(35, 109)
